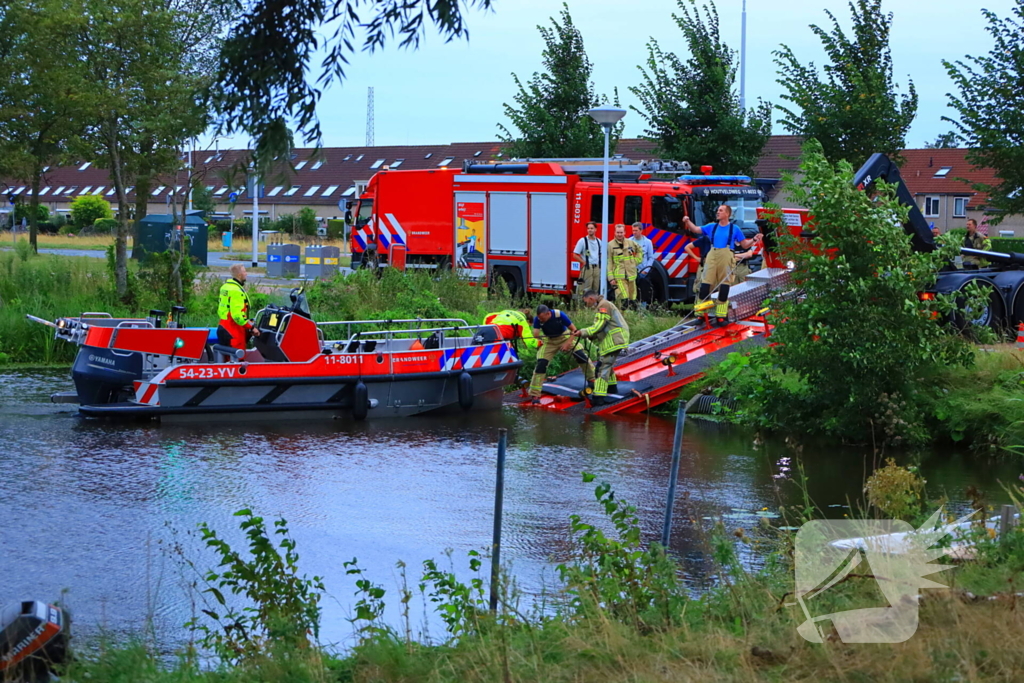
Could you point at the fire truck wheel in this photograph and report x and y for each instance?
(511, 280)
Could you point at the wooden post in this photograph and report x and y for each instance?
(1006, 520)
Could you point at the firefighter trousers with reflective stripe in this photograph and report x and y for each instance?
(590, 279)
(625, 289)
(605, 373)
(547, 353)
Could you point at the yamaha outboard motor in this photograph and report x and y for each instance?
(33, 639)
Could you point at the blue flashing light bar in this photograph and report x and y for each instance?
(714, 179)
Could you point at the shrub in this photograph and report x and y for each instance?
(335, 229)
(47, 228)
(88, 209)
(23, 249)
(895, 491)
(105, 226)
(68, 230)
(21, 210)
(306, 221)
(1007, 244)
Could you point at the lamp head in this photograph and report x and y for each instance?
(606, 115)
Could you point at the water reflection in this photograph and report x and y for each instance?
(91, 507)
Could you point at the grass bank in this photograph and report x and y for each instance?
(240, 245)
(622, 611)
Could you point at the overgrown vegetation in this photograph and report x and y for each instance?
(859, 354)
(621, 611)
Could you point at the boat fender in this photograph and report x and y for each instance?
(360, 401)
(466, 391)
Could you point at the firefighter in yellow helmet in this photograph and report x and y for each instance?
(610, 333)
(513, 324)
(235, 327)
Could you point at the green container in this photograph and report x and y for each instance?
(158, 232)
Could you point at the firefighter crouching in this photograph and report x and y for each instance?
(555, 331)
(611, 335)
(235, 327)
(513, 324)
(623, 257)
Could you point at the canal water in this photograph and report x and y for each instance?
(104, 514)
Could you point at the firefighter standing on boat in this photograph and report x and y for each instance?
(611, 336)
(720, 263)
(235, 327)
(554, 330)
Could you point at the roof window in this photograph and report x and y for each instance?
(292, 190)
(446, 161)
(44, 190)
(276, 191)
(329, 191)
(85, 190)
(111, 191)
(360, 157)
(317, 165)
(221, 191)
(349, 192)
(158, 190)
(99, 189)
(85, 166)
(377, 163)
(476, 154)
(347, 157)
(299, 166)
(943, 172)
(59, 190)
(311, 191)
(429, 155)
(396, 163)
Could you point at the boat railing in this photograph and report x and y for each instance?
(447, 337)
(406, 326)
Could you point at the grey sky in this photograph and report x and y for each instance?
(455, 92)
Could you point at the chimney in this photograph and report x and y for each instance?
(930, 161)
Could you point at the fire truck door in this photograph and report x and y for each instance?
(470, 235)
(549, 241)
(507, 223)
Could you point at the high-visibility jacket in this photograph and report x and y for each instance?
(610, 330)
(512, 324)
(234, 303)
(623, 257)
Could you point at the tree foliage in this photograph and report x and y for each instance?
(690, 106)
(40, 116)
(853, 109)
(944, 141)
(859, 337)
(990, 103)
(263, 76)
(551, 111)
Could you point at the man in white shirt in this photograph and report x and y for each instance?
(588, 254)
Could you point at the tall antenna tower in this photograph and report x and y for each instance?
(369, 116)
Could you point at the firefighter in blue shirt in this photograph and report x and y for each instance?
(553, 329)
(721, 259)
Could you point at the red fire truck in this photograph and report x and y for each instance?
(520, 221)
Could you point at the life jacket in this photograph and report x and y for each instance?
(554, 327)
(234, 303)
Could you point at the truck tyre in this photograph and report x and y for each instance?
(512, 280)
(465, 391)
(360, 401)
(991, 315)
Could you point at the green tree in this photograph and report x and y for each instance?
(263, 80)
(551, 111)
(202, 200)
(691, 109)
(146, 94)
(87, 209)
(40, 114)
(944, 141)
(22, 210)
(307, 221)
(860, 318)
(853, 110)
(989, 103)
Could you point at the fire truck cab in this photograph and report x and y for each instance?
(520, 221)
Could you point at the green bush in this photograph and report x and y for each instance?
(47, 228)
(1015, 244)
(335, 229)
(88, 209)
(307, 222)
(21, 210)
(23, 249)
(104, 226)
(68, 229)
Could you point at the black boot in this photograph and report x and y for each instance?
(613, 388)
(597, 401)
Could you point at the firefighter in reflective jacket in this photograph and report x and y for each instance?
(623, 257)
(554, 330)
(235, 327)
(611, 335)
(514, 324)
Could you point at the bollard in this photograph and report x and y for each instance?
(673, 477)
(499, 500)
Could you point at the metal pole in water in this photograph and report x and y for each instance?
(499, 501)
(673, 477)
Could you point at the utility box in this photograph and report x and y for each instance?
(160, 232)
(330, 256)
(282, 260)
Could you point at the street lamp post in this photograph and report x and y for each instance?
(606, 116)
